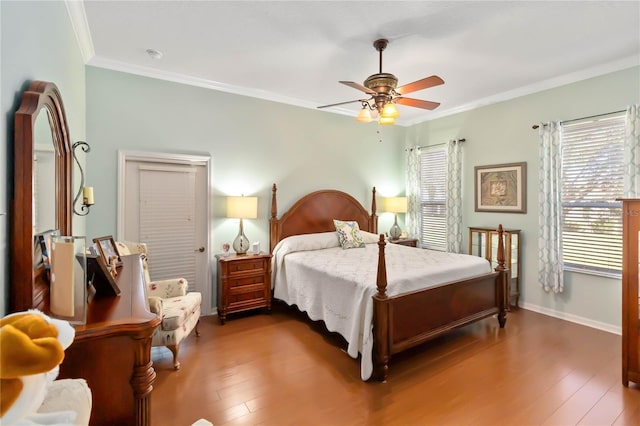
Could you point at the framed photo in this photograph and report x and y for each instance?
(501, 188)
(100, 278)
(108, 251)
(42, 247)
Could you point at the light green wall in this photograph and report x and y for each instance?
(253, 144)
(502, 133)
(37, 43)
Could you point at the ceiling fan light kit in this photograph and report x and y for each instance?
(382, 87)
(364, 116)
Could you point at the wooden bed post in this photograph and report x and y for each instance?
(503, 281)
(381, 348)
(273, 222)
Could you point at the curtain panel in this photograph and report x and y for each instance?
(454, 197)
(550, 265)
(632, 152)
(413, 217)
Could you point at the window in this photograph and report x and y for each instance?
(592, 179)
(433, 198)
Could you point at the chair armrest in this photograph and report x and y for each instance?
(168, 288)
(155, 306)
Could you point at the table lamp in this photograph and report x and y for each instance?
(396, 205)
(242, 208)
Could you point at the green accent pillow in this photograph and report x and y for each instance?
(348, 234)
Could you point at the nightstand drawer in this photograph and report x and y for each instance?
(250, 293)
(256, 266)
(246, 281)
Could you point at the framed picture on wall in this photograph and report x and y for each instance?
(501, 188)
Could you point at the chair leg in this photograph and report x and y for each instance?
(196, 328)
(174, 350)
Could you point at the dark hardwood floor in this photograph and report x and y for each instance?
(282, 369)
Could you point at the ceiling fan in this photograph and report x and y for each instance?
(385, 94)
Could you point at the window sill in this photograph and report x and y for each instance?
(613, 275)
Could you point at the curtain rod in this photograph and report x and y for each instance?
(535, 126)
(438, 144)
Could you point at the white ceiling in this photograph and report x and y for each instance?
(296, 51)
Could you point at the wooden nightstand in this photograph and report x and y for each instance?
(411, 242)
(244, 282)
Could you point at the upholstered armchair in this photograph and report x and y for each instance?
(170, 300)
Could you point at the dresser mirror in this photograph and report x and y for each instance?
(44, 175)
(41, 134)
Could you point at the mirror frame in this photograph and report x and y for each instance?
(29, 285)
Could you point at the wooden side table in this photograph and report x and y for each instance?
(244, 283)
(411, 242)
(483, 242)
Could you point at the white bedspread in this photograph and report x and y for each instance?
(337, 286)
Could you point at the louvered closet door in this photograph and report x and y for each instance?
(165, 207)
(167, 222)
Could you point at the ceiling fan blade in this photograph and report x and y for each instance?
(359, 87)
(425, 83)
(341, 103)
(417, 103)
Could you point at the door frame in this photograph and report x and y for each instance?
(125, 156)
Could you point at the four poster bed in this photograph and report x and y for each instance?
(429, 293)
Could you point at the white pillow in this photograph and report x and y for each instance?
(304, 242)
(369, 238)
(348, 234)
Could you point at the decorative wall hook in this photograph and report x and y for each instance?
(87, 191)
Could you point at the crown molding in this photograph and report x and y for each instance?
(551, 83)
(619, 65)
(75, 9)
(100, 62)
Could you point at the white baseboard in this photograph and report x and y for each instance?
(572, 318)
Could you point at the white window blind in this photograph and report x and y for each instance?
(592, 179)
(167, 225)
(433, 198)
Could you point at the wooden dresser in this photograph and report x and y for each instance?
(483, 242)
(244, 282)
(112, 351)
(630, 296)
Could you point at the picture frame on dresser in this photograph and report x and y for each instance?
(501, 188)
(100, 277)
(42, 247)
(108, 251)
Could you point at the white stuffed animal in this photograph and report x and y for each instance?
(31, 349)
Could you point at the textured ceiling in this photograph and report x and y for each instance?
(297, 51)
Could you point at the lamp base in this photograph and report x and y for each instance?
(395, 230)
(241, 243)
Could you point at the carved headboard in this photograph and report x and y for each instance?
(315, 213)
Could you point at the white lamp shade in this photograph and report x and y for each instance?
(396, 204)
(242, 207)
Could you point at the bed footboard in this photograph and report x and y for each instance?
(403, 321)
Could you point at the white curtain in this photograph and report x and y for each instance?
(632, 152)
(413, 217)
(454, 197)
(550, 265)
